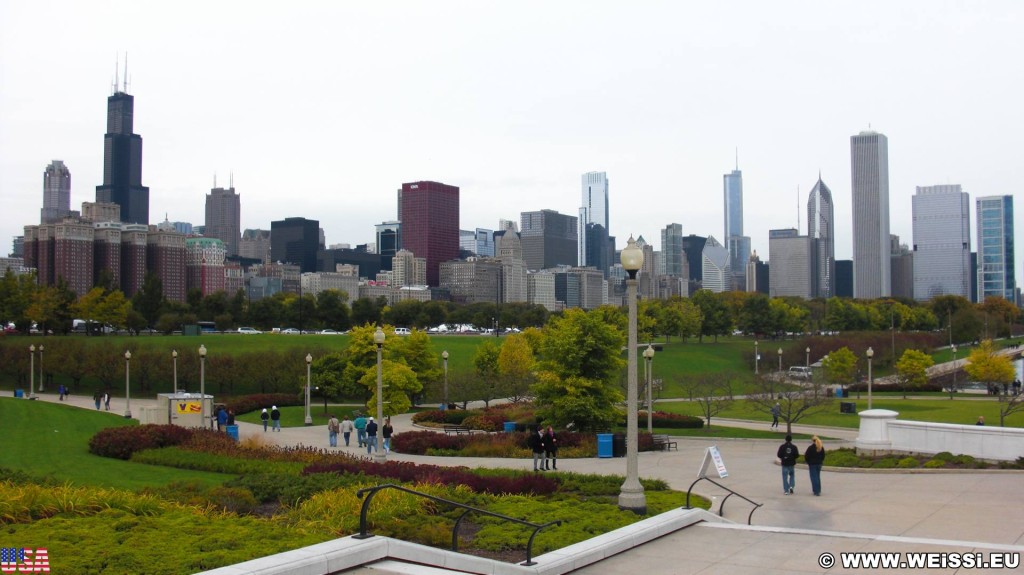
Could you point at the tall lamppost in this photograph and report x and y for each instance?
(649, 373)
(780, 360)
(954, 371)
(127, 386)
(378, 338)
(32, 371)
(202, 386)
(309, 362)
(808, 350)
(757, 357)
(444, 356)
(631, 495)
(42, 377)
(174, 358)
(870, 354)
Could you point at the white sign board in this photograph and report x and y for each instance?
(711, 454)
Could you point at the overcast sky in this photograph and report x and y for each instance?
(323, 109)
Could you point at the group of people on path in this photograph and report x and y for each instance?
(366, 432)
(544, 444)
(273, 416)
(101, 397)
(814, 456)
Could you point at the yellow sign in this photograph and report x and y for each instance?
(185, 407)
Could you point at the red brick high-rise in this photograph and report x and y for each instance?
(430, 224)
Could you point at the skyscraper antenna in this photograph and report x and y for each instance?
(117, 69)
(215, 179)
(737, 158)
(798, 209)
(231, 181)
(126, 72)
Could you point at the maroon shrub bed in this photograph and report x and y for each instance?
(418, 442)
(122, 442)
(247, 403)
(451, 416)
(523, 484)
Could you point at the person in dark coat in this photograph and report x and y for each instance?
(787, 455)
(815, 457)
(537, 445)
(265, 417)
(275, 418)
(371, 436)
(550, 448)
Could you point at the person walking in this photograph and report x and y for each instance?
(386, 431)
(62, 391)
(97, 397)
(536, 443)
(550, 449)
(371, 435)
(815, 457)
(346, 429)
(776, 412)
(360, 425)
(787, 454)
(106, 400)
(265, 416)
(332, 431)
(222, 418)
(275, 418)
(231, 417)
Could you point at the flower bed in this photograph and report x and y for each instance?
(520, 484)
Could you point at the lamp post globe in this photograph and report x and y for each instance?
(202, 386)
(127, 385)
(309, 362)
(631, 495)
(649, 372)
(870, 353)
(378, 339)
(444, 356)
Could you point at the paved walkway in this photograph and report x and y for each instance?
(955, 511)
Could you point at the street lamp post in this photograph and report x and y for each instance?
(202, 386)
(378, 338)
(32, 371)
(870, 354)
(808, 350)
(444, 356)
(757, 357)
(127, 385)
(42, 376)
(649, 373)
(309, 361)
(174, 358)
(954, 372)
(780, 360)
(631, 495)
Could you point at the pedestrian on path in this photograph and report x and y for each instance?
(776, 412)
(346, 429)
(97, 397)
(815, 457)
(275, 418)
(371, 435)
(360, 425)
(536, 443)
(266, 419)
(106, 400)
(386, 431)
(550, 449)
(787, 455)
(332, 431)
(62, 391)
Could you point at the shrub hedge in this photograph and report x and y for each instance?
(247, 403)
(122, 442)
(523, 483)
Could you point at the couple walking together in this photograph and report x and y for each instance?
(814, 456)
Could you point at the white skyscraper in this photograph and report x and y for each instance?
(822, 233)
(942, 242)
(593, 210)
(869, 155)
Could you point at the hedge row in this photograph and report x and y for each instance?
(248, 403)
(122, 442)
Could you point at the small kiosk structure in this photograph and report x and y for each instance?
(184, 409)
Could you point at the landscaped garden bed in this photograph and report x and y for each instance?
(846, 457)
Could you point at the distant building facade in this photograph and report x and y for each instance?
(996, 269)
(430, 224)
(869, 153)
(942, 242)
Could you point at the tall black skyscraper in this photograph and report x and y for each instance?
(122, 159)
(295, 241)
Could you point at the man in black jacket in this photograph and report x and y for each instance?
(537, 445)
(787, 454)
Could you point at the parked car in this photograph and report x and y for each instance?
(402, 331)
(329, 332)
(249, 330)
(800, 372)
(290, 331)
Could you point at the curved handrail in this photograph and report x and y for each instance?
(371, 491)
(721, 507)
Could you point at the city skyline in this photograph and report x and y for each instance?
(517, 138)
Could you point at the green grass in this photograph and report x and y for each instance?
(46, 439)
(963, 411)
(720, 431)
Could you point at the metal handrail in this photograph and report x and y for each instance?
(721, 507)
(371, 491)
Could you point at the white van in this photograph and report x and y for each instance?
(402, 331)
(800, 372)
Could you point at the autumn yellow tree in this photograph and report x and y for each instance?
(515, 366)
(988, 366)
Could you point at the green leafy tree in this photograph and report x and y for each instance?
(516, 364)
(332, 310)
(756, 316)
(717, 320)
(912, 369)
(579, 371)
(416, 351)
(328, 374)
(485, 362)
(150, 299)
(987, 365)
(45, 309)
(399, 383)
(840, 367)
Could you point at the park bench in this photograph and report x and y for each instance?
(457, 429)
(663, 443)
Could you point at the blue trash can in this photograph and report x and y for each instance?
(604, 444)
(510, 427)
(232, 431)
(19, 393)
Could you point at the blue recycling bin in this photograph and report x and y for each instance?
(604, 444)
(232, 431)
(19, 393)
(510, 427)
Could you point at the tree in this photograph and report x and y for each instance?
(796, 403)
(150, 298)
(711, 391)
(485, 361)
(840, 367)
(328, 375)
(331, 309)
(515, 364)
(755, 316)
(399, 383)
(679, 317)
(580, 368)
(987, 365)
(45, 308)
(912, 369)
(717, 320)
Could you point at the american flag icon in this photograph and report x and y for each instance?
(23, 560)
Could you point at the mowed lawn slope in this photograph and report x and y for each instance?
(46, 439)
